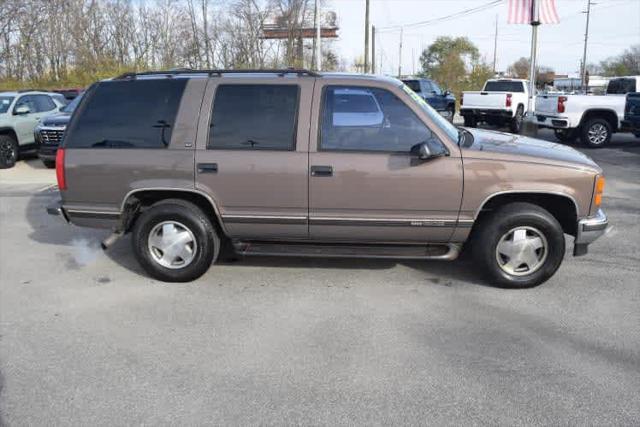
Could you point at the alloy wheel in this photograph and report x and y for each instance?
(521, 251)
(598, 134)
(172, 244)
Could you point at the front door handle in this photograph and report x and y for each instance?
(321, 171)
(207, 168)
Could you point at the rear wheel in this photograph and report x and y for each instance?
(470, 121)
(596, 133)
(565, 135)
(520, 245)
(516, 122)
(175, 241)
(8, 151)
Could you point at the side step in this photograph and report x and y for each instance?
(444, 251)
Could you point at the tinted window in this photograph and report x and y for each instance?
(43, 103)
(504, 86)
(5, 103)
(127, 114)
(621, 86)
(70, 107)
(259, 117)
(414, 85)
(436, 88)
(427, 86)
(386, 125)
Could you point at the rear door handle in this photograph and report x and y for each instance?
(207, 168)
(321, 171)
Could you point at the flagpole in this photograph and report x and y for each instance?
(534, 53)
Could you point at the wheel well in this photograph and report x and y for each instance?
(562, 208)
(610, 116)
(10, 132)
(139, 201)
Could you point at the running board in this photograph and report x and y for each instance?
(445, 251)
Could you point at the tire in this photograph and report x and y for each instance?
(595, 133)
(470, 121)
(565, 135)
(637, 134)
(8, 151)
(522, 222)
(516, 123)
(49, 164)
(199, 250)
(452, 112)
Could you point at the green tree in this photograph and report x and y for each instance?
(455, 64)
(625, 64)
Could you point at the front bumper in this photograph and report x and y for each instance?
(589, 229)
(48, 152)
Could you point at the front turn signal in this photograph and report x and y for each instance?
(598, 191)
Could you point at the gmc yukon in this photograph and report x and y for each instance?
(291, 162)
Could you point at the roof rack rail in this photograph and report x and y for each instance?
(183, 71)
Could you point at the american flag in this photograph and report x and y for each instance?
(520, 12)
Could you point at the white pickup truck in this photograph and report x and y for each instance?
(501, 102)
(593, 118)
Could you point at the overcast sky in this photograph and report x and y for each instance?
(614, 26)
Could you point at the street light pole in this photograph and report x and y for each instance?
(400, 55)
(366, 36)
(583, 74)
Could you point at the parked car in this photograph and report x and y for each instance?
(48, 133)
(442, 101)
(592, 118)
(19, 115)
(261, 163)
(631, 122)
(501, 102)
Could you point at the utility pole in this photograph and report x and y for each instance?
(495, 46)
(583, 74)
(373, 49)
(400, 55)
(317, 47)
(366, 37)
(535, 23)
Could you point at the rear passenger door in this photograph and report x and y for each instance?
(252, 155)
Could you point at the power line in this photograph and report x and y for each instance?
(459, 14)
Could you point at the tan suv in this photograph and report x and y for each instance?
(290, 162)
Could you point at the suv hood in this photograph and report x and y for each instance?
(510, 147)
(56, 120)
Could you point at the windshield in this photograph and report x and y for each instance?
(440, 121)
(72, 105)
(503, 86)
(5, 103)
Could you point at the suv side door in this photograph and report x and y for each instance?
(39, 106)
(252, 154)
(365, 186)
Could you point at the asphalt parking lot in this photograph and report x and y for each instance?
(87, 339)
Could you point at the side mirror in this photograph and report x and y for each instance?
(446, 93)
(425, 151)
(21, 110)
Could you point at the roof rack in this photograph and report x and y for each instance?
(182, 71)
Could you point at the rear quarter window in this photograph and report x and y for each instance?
(504, 86)
(127, 114)
(621, 86)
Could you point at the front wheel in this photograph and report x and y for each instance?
(8, 151)
(596, 133)
(49, 164)
(520, 245)
(175, 241)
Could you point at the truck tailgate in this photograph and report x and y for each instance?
(484, 100)
(547, 104)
